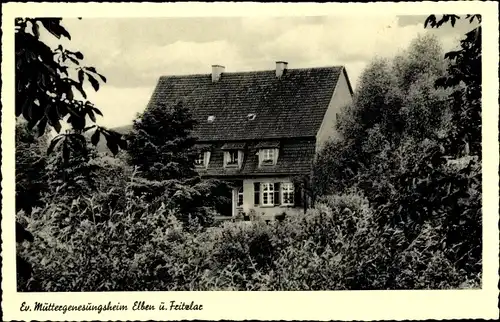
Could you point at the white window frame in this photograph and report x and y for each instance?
(238, 160)
(206, 159)
(239, 193)
(268, 154)
(287, 188)
(228, 158)
(200, 157)
(267, 189)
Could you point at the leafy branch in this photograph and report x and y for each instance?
(47, 81)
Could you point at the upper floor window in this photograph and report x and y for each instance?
(268, 156)
(232, 157)
(202, 159)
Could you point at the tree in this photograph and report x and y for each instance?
(161, 149)
(160, 143)
(30, 167)
(464, 70)
(402, 146)
(47, 83)
(395, 101)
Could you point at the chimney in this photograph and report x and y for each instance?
(280, 68)
(217, 71)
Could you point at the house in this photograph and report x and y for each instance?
(260, 130)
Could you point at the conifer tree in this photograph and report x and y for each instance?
(161, 148)
(160, 143)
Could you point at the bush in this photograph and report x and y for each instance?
(337, 245)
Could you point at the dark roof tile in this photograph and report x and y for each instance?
(295, 157)
(292, 106)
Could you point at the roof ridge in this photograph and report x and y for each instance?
(253, 71)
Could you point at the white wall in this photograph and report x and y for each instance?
(340, 98)
(248, 198)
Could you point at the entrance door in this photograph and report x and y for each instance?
(225, 208)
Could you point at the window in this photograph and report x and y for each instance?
(232, 157)
(240, 197)
(200, 159)
(268, 156)
(287, 194)
(268, 194)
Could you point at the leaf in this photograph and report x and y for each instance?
(92, 69)
(431, 20)
(97, 111)
(78, 55)
(78, 122)
(93, 82)
(53, 26)
(41, 126)
(444, 19)
(102, 77)
(79, 87)
(91, 115)
(112, 144)
(56, 124)
(27, 109)
(94, 139)
(36, 29)
(76, 62)
(81, 75)
(89, 128)
(53, 144)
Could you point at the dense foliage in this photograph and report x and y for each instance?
(161, 149)
(49, 82)
(412, 145)
(398, 197)
(145, 248)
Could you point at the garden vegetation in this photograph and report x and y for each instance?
(397, 197)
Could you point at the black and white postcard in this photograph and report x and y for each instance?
(250, 161)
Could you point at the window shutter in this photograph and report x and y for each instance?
(240, 158)
(297, 198)
(276, 153)
(277, 193)
(207, 158)
(256, 193)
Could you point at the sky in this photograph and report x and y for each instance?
(132, 53)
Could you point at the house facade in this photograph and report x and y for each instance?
(260, 130)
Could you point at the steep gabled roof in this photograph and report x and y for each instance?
(291, 106)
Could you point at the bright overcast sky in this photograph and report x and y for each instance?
(134, 52)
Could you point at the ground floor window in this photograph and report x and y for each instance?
(287, 194)
(240, 197)
(268, 194)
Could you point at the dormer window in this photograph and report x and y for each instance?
(251, 116)
(268, 152)
(233, 154)
(202, 157)
(268, 156)
(232, 157)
